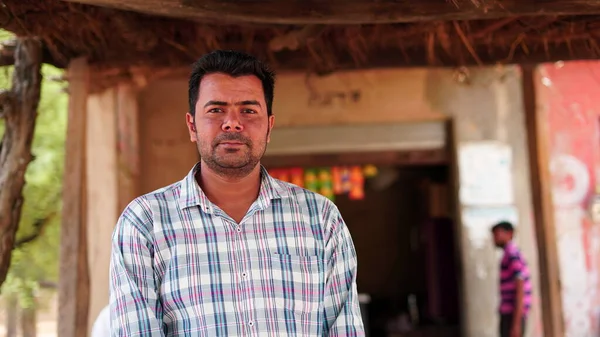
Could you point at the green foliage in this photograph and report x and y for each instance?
(38, 260)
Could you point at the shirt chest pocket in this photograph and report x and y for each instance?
(297, 282)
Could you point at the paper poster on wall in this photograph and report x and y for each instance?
(485, 174)
(479, 222)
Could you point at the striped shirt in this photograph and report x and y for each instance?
(512, 268)
(180, 266)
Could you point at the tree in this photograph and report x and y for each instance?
(34, 261)
(18, 108)
(35, 256)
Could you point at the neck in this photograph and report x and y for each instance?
(222, 189)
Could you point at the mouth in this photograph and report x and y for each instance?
(231, 144)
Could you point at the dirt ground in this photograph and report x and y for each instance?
(46, 320)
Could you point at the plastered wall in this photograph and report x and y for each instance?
(486, 106)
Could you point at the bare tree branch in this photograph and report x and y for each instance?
(7, 52)
(38, 229)
(48, 284)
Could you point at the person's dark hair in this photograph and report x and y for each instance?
(235, 64)
(505, 225)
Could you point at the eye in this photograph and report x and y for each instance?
(215, 110)
(248, 111)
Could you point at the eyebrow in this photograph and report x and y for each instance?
(221, 103)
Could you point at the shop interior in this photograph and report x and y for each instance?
(399, 213)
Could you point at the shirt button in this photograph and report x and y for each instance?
(251, 323)
(244, 275)
(239, 229)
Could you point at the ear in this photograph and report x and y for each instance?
(191, 126)
(271, 124)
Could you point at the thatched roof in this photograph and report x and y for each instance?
(113, 38)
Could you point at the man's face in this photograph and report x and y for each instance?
(501, 237)
(231, 126)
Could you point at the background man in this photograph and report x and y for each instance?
(515, 283)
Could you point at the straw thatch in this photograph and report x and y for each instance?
(113, 39)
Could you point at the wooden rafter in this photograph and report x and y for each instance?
(347, 11)
(115, 41)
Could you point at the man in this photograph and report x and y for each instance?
(515, 284)
(228, 250)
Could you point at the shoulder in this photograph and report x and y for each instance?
(314, 203)
(140, 212)
(321, 211)
(167, 194)
(513, 254)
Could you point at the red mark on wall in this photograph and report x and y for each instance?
(570, 95)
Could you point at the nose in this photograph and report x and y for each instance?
(232, 123)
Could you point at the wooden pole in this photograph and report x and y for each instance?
(74, 275)
(12, 316)
(537, 136)
(29, 321)
(128, 144)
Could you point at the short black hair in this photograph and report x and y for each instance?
(505, 225)
(235, 64)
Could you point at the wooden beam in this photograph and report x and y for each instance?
(346, 11)
(537, 136)
(73, 292)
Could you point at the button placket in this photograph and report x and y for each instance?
(236, 262)
(239, 265)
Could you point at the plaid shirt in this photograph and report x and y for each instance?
(180, 266)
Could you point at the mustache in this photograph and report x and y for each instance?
(236, 137)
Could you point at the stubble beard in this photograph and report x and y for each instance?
(244, 159)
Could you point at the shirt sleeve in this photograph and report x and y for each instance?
(516, 266)
(341, 306)
(134, 306)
